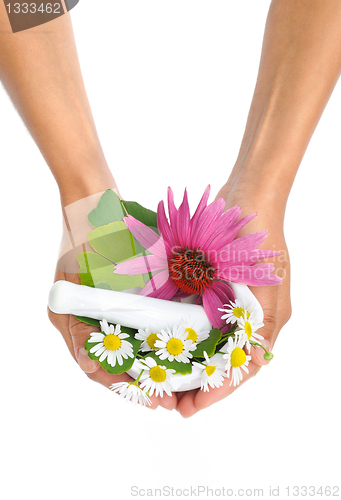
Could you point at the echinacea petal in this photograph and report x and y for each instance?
(172, 216)
(218, 293)
(256, 275)
(164, 227)
(200, 208)
(141, 265)
(256, 255)
(224, 224)
(183, 222)
(230, 233)
(160, 286)
(207, 223)
(238, 251)
(148, 238)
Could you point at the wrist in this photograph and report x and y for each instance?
(85, 187)
(264, 183)
(90, 175)
(257, 189)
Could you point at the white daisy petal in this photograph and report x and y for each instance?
(156, 378)
(235, 358)
(173, 344)
(131, 392)
(111, 346)
(119, 358)
(123, 336)
(105, 327)
(104, 354)
(97, 349)
(96, 337)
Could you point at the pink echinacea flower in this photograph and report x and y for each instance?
(199, 255)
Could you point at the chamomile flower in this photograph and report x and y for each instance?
(236, 358)
(149, 337)
(131, 392)
(109, 344)
(173, 344)
(155, 377)
(213, 371)
(194, 330)
(237, 310)
(248, 326)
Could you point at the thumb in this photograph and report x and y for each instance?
(257, 353)
(80, 332)
(268, 298)
(268, 333)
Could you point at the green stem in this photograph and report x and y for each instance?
(257, 344)
(226, 336)
(197, 360)
(138, 378)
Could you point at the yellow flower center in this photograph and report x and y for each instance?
(192, 334)
(238, 357)
(157, 374)
(239, 312)
(248, 329)
(175, 346)
(151, 339)
(210, 370)
(112, 342)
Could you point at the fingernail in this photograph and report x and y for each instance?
(258, 353)
(87, 365)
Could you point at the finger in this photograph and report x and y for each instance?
(276, 305)
(179, 396)
(268, 298)
(186, 404)
(80, 332)
(197, 400)
(61, 321)
(284, 303)
(74, 332)
(168, 402)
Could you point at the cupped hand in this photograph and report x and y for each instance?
(75, 332)
(275, 300)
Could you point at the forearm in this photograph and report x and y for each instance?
(300, 65)
(40, 71)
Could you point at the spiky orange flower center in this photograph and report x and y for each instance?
(190, 271)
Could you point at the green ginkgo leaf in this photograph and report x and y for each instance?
(109, 209)
(113, 241)
(98, 272)
(144, 215)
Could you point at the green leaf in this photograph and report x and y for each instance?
(147, 217)
(84, 272)
(88, 321)
(127, 363)
(209, 345)
(183, 368)
(98, 272)
(114, 241)
(144, 215)
(109, 209)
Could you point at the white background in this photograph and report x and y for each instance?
(170, 84)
